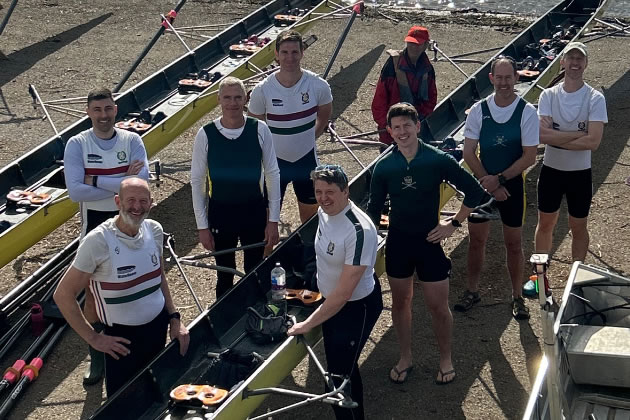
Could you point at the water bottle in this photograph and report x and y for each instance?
(278, 283)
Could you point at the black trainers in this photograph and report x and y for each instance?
(467, 301)
(519, 310)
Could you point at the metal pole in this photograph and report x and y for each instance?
(8, 15)
(169, 246)
(477, 52)
(165, 20)
(36, 98)
(146, 50)
(334, 134)
(356, 9)
(223, 251)
(435, 47)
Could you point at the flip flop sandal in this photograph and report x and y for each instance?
(443, 374)
(398, 373)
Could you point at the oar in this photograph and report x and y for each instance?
(146, 50)
(356, 9)
(30, 372)
(12, 374)
(8, 15)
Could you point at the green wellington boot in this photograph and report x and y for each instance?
(96, 367)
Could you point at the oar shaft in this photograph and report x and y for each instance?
(334, 134)
(169, 246)
(342, 38)
(33, 91)
(146, 50)
(7, 16)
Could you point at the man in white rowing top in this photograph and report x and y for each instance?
(95, 162)
(572, 116)
(121, 262)
(297, 105)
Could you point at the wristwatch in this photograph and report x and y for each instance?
(456, 223)
(502, 179)
(174, 315)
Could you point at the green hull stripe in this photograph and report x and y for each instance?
(292, 130)
(132, 297)
(358, 247)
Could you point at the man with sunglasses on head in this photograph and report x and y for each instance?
(505, 129)
(345, 245)
(407, 76)
(297, 105)
(572, 116)
(412, 174)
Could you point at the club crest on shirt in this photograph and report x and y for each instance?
(305, 98)
(500, 141)
(408, 182)
(331, 248)
(122, 156)
(154, 260)
(117, 250)
(582, 126)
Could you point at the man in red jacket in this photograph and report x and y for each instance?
(407, 76)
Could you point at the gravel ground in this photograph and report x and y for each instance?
(67, 48)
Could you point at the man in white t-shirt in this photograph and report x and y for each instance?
(345, 244)
(505, 127)
(572, 116)
(297, 105)
(121, 262)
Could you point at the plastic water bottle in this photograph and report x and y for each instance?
(278, 283)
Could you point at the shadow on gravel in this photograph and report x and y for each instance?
(20, 61)
(346, 83)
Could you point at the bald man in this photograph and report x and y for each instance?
(121, 262)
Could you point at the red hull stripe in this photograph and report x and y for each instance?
(110, 171)
(131, 283)
(294, 116)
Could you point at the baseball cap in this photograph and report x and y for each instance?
(417, 35)
(575, 46)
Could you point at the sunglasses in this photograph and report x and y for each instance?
(335, 170)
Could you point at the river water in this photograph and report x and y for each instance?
(616, 8)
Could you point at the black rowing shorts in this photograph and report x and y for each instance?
(512, 210)
(553, 184)
(406, 253)
(299, 173)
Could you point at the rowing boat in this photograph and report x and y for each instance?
(586, 373)
(221, 327)
(168, 111)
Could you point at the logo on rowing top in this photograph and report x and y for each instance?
(408, 182)
(500, 141)
(154, 259)
(117, 250)
(94, 158)
(582, 126)
(126, 271)
(122, 156)
(331, 248)
(305, 98)
(276, 102)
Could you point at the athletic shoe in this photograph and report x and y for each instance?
(467, 301)
(519, 310)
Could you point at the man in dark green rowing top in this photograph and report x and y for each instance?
(412, 174)
(233, 160)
